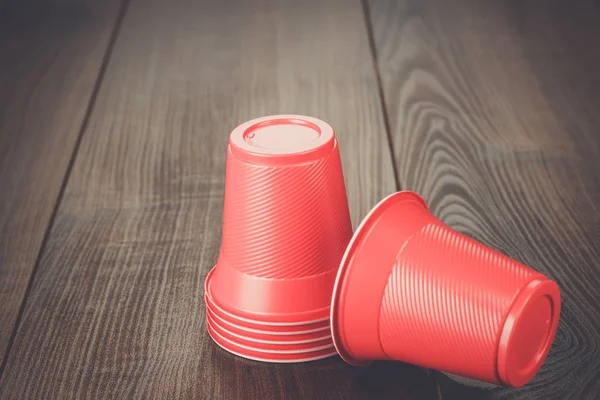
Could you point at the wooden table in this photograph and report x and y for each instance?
(114, 119)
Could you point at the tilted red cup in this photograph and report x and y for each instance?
(285, 221)
(411, 289)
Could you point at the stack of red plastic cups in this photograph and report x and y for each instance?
(285, 228)
(408, 287)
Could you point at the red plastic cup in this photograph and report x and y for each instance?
(268, 356)
(411, 289)
(286, 222)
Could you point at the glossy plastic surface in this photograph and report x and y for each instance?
(308, 320)
(412, 289)
(275, 301)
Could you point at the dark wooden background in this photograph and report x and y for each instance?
(114, 118)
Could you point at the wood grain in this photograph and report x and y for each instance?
(50, 57)
(116, 309)
(494, 116)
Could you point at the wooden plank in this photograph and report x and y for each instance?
(50, 56)
(116, 309)
(494, 116)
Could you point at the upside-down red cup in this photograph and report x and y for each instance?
(411, 289)
(286, 222)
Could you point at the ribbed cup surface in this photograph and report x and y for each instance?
(446, 301)
(285, 222)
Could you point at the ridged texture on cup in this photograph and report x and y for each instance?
(285, 222)
(435, 316)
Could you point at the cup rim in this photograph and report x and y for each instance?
(345, 267)
(269, 360)
(273, 332)
(215, 321)
(266, 351)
